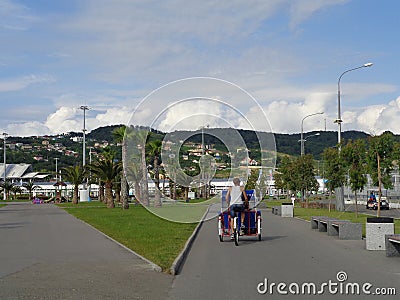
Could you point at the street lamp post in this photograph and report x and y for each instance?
(84, 108)
(90, 162)
(340, 190)
(202, 154)
(56, 159)
(339, 119)
(301, 135)
(305, 140)
(5, 166)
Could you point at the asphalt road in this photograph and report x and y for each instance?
(392, 212)
(290, 252)
(45, 253)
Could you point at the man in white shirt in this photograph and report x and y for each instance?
(236, 203)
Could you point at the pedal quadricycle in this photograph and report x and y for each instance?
(251, 225)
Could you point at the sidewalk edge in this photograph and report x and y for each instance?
(178, 262)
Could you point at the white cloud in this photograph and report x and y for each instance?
(190, 116)
(379, 118)
(64, 120)
(167, 40)
(23, 82)
(140, 46)
(283, 116)
(301, 10)
(116, 115)
(33, 128)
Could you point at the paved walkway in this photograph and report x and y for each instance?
(45, 253)
(290, 252)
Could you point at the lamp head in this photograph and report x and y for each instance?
(368, 64)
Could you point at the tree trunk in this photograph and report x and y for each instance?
(145, 191)
(157, 199)
(75, 195)
(118, 196)
(109, 195)
(101, 193)
(174, 194)
(355, 196)
(137, 191)
(124, 192)
(124, 182)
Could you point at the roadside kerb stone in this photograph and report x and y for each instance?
(178, 262)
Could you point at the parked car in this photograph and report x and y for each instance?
(373, 204)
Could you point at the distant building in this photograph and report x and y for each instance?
(77, 139)
(19, 173)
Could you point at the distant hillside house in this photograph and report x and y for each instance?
(77, 139)
(19, 173)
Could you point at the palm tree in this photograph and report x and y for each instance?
(154, 149)
(30, 186)
(117, 188)
(136, 163)
(134, 174)
(102, 198)
(75, 175)
(7, 186)
(185, 181)
(119, 136)
(16, 189)
(107, 170)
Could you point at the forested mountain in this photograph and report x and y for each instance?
(285, 143)
(103, 133)
(44, 150)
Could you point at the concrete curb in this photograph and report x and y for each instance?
(178, 262)
(152, 265)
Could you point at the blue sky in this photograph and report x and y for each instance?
(110, 55)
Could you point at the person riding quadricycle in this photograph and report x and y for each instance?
(239, 219)
(236, 193)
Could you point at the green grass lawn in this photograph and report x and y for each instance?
(158, 240)
(1, 205)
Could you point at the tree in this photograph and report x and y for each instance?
(107, 170)
(335, 174)
(7, 186)
(354, 156)
(252, 180)
(185, 181)
(283, 177)
(16, 189)
(75, 175)
(297, 174)
(136, 162)
(119, 136)
(154, 150)
(304, 175)
(30, 186)
(380, 162)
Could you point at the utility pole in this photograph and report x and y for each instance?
(5, 166)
